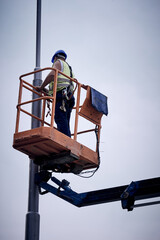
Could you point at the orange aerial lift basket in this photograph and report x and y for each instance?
(45, 145)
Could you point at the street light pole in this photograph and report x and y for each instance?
(33, 216)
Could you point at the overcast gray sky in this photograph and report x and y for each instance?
(113, 46)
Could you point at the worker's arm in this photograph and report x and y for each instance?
(47, 81)
(50, 77)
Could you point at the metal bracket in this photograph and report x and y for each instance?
(128, 196)
(63, 191)
(42, 176)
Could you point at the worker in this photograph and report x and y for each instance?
(64, 96)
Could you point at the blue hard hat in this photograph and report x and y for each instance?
(59, 53)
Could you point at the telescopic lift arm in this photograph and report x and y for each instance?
(127, 194)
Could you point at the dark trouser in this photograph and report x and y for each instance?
(62, 118)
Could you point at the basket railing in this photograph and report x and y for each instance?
(42, 96)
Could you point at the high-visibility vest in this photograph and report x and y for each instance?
(62, 81)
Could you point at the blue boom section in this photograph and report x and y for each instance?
(127, 194)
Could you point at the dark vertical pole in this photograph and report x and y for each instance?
(33, 217)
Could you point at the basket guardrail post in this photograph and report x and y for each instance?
(43, 112)
(77, 111)
(18, 107)
(54, 97)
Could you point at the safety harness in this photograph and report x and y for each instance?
(66, 94)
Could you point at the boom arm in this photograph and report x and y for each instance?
(127, 194)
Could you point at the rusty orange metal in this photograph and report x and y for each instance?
(46, 142)
(89, 112)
